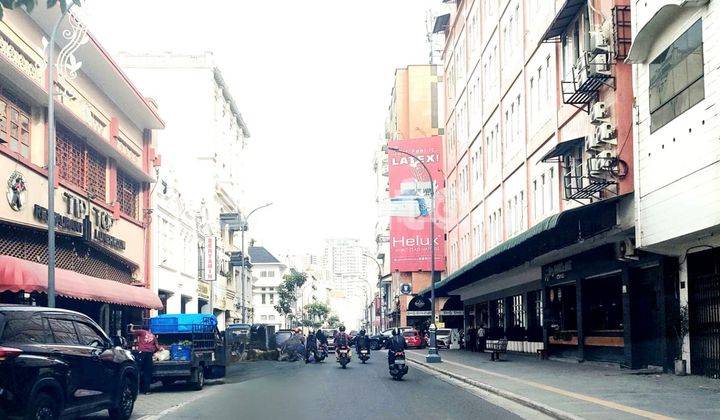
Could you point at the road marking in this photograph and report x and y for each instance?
(176, 407)
(582, 397)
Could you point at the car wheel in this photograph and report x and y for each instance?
(199, 381)
(43, 407)
(126, 401)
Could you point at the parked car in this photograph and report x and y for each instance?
(47, 356)
(442, 337)
(281, 336)
(413, 339)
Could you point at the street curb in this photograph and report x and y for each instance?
(545, 409)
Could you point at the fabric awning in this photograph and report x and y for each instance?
(564, 16)
(562, 148)
(22, 275)
(555, 232)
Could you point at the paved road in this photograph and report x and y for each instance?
(275, 390)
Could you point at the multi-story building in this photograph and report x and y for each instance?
(268, 272)
(416, 111)
(209, 176)
(345, 266)
(176, 246)
(105, 156)
(539, 157)
(677, 160)
(382, 238)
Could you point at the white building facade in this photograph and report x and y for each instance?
(204, 149)
(677, 182)
(268, 274)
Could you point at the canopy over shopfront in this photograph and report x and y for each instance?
(21, 275)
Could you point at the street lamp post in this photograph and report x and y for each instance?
(380, 288)
(433, 356)
(51, 157)
(244, 227)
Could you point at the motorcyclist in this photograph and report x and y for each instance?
(362, 342)
(395, 344)
(342, 339)
(311, 347)
(321, 337)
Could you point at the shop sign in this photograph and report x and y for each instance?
(406, 288)
(203, 290)
(418, 313)
(16, 191)
(210, 258)
(451, 313)
(61, 222)
(102, 221)
(557, 271)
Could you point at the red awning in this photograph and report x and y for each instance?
(22, 275)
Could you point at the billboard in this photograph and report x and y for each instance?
(411, 205)
(210, 258)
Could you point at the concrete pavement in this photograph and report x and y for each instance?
(274, 390)
(587, 390)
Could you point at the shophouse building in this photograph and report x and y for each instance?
(539, 149)
(677, 161)
(105, 155)
(207, 158)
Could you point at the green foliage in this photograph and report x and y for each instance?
(29, 5)
(315, 314)
(333, 321)
(286, 292)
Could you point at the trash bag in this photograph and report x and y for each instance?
(161, 355)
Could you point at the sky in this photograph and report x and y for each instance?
(312, 79)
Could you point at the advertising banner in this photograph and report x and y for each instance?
(410, 188)
(210, 258)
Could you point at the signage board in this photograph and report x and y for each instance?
(210, 258)
(406, 288)
(412, 207)
(451, 313)
(418, 313)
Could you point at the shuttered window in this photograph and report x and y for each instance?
(80, 165)
(127, 194)
(15, 126)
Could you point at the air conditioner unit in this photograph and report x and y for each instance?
(607, 155)
(606, 133)
(625, 250)
(593, 143)
(598, 113)
(596, 167)
(599, 41)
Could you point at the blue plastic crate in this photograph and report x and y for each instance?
(182, 323)
(179, 352)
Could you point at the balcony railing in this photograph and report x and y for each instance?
(589, 75)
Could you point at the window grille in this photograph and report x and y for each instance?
(127, 194)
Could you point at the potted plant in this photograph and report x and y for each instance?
(682, 329)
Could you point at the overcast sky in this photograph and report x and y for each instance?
(312, 79)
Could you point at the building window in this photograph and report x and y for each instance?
(80, 165)
(263, 298)
(127, 194)
(677, 78)
(15, 126)
(518, 312)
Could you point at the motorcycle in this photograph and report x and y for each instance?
(398, 368)
(364, 355)
(322, 352)
(343, 356)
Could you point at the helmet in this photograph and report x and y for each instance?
(342, 328)
(362, 332)
(394, 331)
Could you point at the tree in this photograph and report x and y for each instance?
(333, 321)
(315, 314)
(29, 5)
(286, 292)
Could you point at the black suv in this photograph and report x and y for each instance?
(55, 362)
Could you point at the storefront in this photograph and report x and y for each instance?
(418, 313)
(452, 312)
(704, 311)
(602, 308)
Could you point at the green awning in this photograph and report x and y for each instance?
(555, 232)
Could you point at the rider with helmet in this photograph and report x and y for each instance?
(362, 342)
(341, 339)
(395, 344)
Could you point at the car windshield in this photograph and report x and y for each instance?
(410, 333)
(444, 331)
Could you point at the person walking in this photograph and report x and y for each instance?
(472, 339)
(481, 339)
(146, 345)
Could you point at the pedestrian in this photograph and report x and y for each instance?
(481, 339)
(311, 347)
(146, 345)
(472, 339)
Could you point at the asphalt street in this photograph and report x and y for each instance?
(277, 390)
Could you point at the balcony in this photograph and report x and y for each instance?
(591, 72)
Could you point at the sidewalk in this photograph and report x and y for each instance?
(588, 390)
